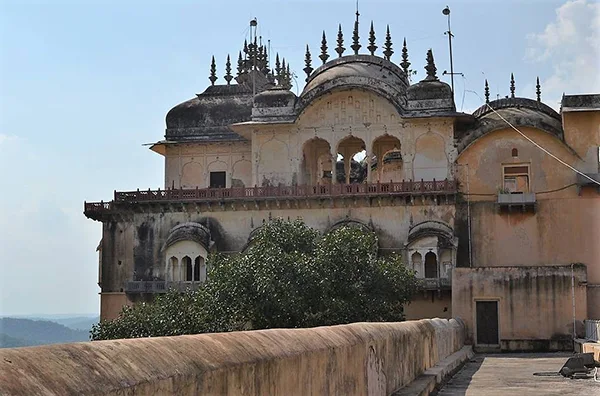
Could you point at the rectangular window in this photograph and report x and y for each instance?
(217, 180)
(516, 179)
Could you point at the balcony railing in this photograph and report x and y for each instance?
(436, 283)
(403, 188)
(516, 199)
(160, 286)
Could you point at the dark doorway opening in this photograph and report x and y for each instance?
(217, 179)
(431, 266)
(487, 322)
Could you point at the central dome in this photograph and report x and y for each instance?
(358, 71)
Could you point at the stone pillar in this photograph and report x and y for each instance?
(369, 176)
(334, 168)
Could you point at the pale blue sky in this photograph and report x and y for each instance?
(84, 84)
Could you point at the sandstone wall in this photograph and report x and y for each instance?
(354, 359)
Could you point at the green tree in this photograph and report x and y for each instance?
(288, 277)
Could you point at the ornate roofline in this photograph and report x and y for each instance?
(518, 103)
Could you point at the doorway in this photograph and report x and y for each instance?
(487, 322)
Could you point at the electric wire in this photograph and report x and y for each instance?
(536, 144)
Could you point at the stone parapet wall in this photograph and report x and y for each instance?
(354, 359)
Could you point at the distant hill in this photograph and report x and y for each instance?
(78, 322)
(26, 332)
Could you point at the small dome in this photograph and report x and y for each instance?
(275, 97)
(357, 71)
(208, 116)
(430, 95)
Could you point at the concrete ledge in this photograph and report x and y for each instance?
(436, 376)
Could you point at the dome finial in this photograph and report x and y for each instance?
(355, 43)
(213, 71)
(538, 90)
(372, 47)
(487, 92)
(388, 52)
(405, 64)
(324, 55)
(277, 69)
(228, 76)
(512, 85)
(340, 42)
(240, 65)
(430, 67)
(308, 60)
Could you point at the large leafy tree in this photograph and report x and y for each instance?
(289, 276)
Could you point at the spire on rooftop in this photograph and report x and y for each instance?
(405, 64)
(430, 67)
(355, 38)
(372, 47)
(512, 85)
(538, 90)
(487, 91)
(340, 42)
(213, 71)
(228, 76)
(308, 60)
(388, 52)
(324, 55)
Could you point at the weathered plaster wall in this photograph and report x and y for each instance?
(427, 145)
(188, 165)
(430, 304)
(565, 227)
(534, 303)
(356, 359)
(582, 133)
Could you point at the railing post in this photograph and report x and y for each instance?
(434, 189)
(422, 186)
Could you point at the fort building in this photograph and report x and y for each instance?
(484, 207)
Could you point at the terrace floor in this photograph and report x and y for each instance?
(512, 374)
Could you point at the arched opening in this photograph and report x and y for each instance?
(417, 264)
(431, 267)
(316, 161)
(515, 153)
(186, 262)
(386, 159)
(351, 160)
(199, 269)
(172, 268)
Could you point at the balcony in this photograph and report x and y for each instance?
(155, 287)
(436, 283)
(222, 196)
(583, 181)
(522, 201)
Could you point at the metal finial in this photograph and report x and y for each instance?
(487, 92)
(372, 47)
(288, 77)
(340, 42)
(355, 39)
(324, 55)
(277, 69)
(405, 64)
(283, 76)
(240, 65)
(512, 85)
(430, 67)
(538, 90)
(213, 71)
(388, 52)
(228, 76)
(246, 47)
(307, 61)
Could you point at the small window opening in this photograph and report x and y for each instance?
(515, 153)
(516, 179)
(217, 179)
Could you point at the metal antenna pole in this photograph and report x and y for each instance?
(446, 11)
